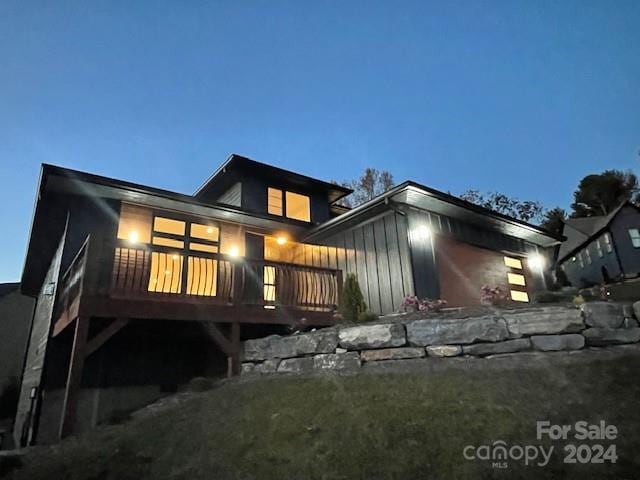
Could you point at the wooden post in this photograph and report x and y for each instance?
(74, 377)
(233, 359)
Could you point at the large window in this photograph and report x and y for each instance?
(183, 261)
(634, 233)
(292, 205)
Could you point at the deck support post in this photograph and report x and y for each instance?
(74, 377)
(233, 359)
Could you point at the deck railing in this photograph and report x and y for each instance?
(161, 273)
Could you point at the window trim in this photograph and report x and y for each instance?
(635, 239)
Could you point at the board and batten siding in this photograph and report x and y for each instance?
(377, 252)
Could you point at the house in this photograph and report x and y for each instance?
(140, 289)
(16, 311)
(601, 249)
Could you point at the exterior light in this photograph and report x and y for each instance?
(422, 231)
(281, 240)
(536, 261)
(133, 236)
(234, 252)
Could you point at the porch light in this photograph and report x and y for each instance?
(234, 252)
(536, 261)
(422, 231)
(281, 240)
(133, 236)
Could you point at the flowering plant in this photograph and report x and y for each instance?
(493, 295)
(412, 303)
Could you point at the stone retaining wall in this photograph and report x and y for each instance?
(448, 334)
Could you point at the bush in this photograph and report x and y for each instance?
(352, 303)
(365, 317)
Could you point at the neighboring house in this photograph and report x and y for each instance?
(140, 289)
(603, 248)
(16, 311)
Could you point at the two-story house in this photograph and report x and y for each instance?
(139, 289)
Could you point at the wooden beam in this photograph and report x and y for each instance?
(74, 377)
(234, 366)
(101, 338)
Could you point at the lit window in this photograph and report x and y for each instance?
(205, 232)
(168, 242)
(516, 279)
(269, 281)
(134, 224)
(274, 201)
(513, 262)
(587, 255)
(298, 207)
(165, 273)
(634, 233)
(599, 248)
(203, 247)
(607, 243)
(168, 225)
(203, 276)
(518, 296)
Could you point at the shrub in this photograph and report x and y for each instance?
(364, 317)
(493, 295)
(352, 303)
(412, 303)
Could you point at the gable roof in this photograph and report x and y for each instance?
(237, 162)
(580, 231)
(426, 198)
(7, 288)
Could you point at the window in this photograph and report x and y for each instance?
(269, 282)
(599, 248)
(274, 201)
(634, 233)
(580, 260)
(292, 205)
(134, 224)
(298, 207)
(166, 273)
(518, 296)
(516, 279)
(513, 263)
(607, 243)
(587, 255)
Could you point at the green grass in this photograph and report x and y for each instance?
(404, 426)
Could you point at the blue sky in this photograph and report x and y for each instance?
(520, 97)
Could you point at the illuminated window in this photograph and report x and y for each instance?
(516, 279)
(607, 243)
(202, 277)
(274, 201)
(518, 296)
(205, 232)
(165, 273)
(298, 207)
(599, 248)
(134, 224)
(634, 233)
(168, 242)
(168, 225)
(269, 281)
(513, 262)
(203, 247)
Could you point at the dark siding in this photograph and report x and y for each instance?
(378, 253)
(233, 196)
(629, 256)
(423, 260)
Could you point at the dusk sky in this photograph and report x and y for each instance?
(524, 98)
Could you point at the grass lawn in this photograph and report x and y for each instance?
(408, 425)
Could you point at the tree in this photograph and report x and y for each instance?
(352, 304)
(553, 220)
(525, 210)
(599, 194)
(370, 184)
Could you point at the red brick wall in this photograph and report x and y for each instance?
(464, 269)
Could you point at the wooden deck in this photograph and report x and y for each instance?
(114, 280)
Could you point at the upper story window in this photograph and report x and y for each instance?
(292, 205)
(580, 260)
(587, 254)
(607, 243)
(634, 233)
(599, 248)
